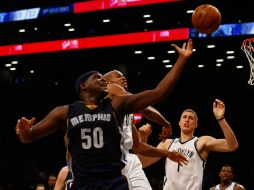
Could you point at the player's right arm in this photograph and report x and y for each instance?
(146, 161)
(134, 102)
(149, 113)
(28, 131)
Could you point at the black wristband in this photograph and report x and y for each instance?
(220, 119)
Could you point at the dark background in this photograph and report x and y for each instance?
(26, 94)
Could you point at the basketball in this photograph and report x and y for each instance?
(206, 18)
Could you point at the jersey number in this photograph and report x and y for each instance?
(92, 138)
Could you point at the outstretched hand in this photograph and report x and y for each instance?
(23, 125)
(177, 157)
(186, 50)
(218, 109)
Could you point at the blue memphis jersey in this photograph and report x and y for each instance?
(94, 142)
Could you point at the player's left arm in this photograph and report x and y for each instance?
(229, 143)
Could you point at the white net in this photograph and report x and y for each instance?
(247, 47)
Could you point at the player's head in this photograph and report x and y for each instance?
(189, 120)
(52, 180)
(226, 174)
(91, 81)
(116, 77)
(82, 78)
(40, 186)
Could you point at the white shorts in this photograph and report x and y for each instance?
(135, 174)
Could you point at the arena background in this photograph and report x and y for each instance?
(44, 80)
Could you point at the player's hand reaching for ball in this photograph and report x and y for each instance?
(218, 109)
(186, 50)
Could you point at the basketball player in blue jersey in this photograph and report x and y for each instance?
(133, 168)
(93, 126)
(196, 149)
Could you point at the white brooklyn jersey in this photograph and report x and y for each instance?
(133, 169)
(231, 187)
(186, 177)
(127, 132)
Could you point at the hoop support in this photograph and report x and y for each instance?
(248, 48)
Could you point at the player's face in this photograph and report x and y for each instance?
(188, 121)
(226, 174)
(96, 83)
(51, 181)
(118, 78)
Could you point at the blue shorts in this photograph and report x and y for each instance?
(115, 183)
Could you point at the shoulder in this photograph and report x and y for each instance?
(165, 145)
(115, 89)
(63, 172)
(239, 187)
(202, 146)
(61, 108)
(61, 111)
(212, 188)
(204, 139)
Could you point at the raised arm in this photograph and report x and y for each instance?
(28, 131)
(149, 113)
(134, 102)
(229, 143)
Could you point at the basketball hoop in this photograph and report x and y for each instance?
(248, 48)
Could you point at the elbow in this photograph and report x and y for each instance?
(160, 96)
(137, 148)
(234, 147)
(25, 141)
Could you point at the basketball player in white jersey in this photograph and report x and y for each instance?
(64, 179)
(226, 175)
(133, 169)
(196, 149)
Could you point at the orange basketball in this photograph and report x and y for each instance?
(206, 18)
